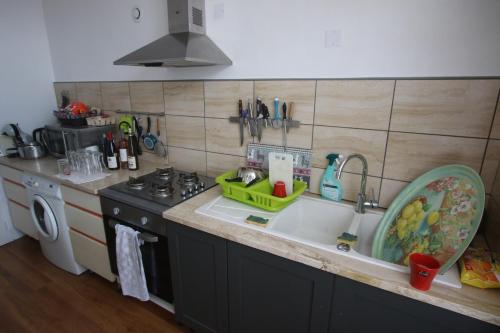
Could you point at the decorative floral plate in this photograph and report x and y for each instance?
(437, 214)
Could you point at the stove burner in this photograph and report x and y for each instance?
(162, 190)
(188, 179)
(136, 183)
(165, 173)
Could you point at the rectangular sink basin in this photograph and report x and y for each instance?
(317, 223)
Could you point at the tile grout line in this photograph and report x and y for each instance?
(489, 138)
(387, 139)
(314, 115)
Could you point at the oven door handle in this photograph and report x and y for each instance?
(144, 236)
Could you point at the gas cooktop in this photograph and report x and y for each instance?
(158, 190)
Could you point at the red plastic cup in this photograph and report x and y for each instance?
(423, 269)
(279, 189)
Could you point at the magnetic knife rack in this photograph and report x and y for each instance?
(256, 119)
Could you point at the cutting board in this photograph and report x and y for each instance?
(281, 169)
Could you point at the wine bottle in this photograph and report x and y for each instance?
(123, 150)
(133, 156)
(111, 152)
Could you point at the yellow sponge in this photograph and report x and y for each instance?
(347, 238)
(257, 220)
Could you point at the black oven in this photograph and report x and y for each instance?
(153, 233)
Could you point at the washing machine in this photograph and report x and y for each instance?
(47, 211)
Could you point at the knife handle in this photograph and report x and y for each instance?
(290, 112)
(284, 110)
(240, 108)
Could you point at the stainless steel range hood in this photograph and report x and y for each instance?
(187, 44)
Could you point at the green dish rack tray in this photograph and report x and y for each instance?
(258, 195)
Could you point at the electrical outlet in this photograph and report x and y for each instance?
(219, 11)
(333, 38)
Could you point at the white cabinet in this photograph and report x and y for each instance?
(84, 218)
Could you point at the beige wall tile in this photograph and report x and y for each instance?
(490, 164)
(223, 137)
(147, 97)
(389, 191)
(300, 137)
(347, 141)
(217, 164)
(301, 92)
(188, 160)
(351, 184)
(410, 155)
(185, 132)
(184, 98)
(69, 88)
(115, 96)
(495, 191)
(354, 103)
(221, 97)
(495, 130)
(452, 107)
(492, 226)
(89, 93)
(148, 156)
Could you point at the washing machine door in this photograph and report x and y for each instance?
(44, 218)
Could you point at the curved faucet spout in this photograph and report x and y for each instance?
(361, 202)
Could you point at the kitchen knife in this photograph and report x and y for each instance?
(265, 115)
(259, 118)
(251, 119)
(276, 121)
(283, 125)
(290, 116)
(242, 120)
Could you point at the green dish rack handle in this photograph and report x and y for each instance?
(258, 195)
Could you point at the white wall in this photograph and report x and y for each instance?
(285, 38)
(26, 76)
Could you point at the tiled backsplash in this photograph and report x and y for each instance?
(403, 127)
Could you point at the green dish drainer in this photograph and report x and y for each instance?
(258, 195)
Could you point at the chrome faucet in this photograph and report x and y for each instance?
(361, 202)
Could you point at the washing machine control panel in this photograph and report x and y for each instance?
(41, 185)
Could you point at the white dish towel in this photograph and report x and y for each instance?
(129, 262)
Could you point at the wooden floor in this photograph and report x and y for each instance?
(36, 296)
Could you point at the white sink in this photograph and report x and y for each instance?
(317, 223)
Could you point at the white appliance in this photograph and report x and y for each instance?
(47, 210)
(8, 232)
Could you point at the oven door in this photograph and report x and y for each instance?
(155, 258)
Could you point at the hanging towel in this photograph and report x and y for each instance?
(129, 262)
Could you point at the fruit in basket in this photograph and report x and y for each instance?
(78, 108)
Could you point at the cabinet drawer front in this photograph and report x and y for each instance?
(11, 174)
(21, 218)
(81, 199)
(84, 222)
(15, 192)
(92, 255)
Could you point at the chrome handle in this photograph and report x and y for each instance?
(148, 238)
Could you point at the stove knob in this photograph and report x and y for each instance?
(196, 187)
(116, 211)
(35, 184)
(183, 193)
(202, 185)
(144, 220)
(190, 190)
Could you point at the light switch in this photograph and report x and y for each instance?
(333, 38)
(219, 11)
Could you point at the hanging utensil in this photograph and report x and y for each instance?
(149, 139)
(160, 148)
(265, 116)
(251, 119)
(242, 120)
(259, 116)
(283, 125)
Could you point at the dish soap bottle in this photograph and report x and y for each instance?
(330, 187)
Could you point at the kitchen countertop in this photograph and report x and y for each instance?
(473, 302)
(47, 167)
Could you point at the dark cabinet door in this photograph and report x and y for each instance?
(269, 294)
(199, 278)
(358, 307)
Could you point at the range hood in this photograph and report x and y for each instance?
(186, 45)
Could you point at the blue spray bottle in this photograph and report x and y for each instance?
(330, 187)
